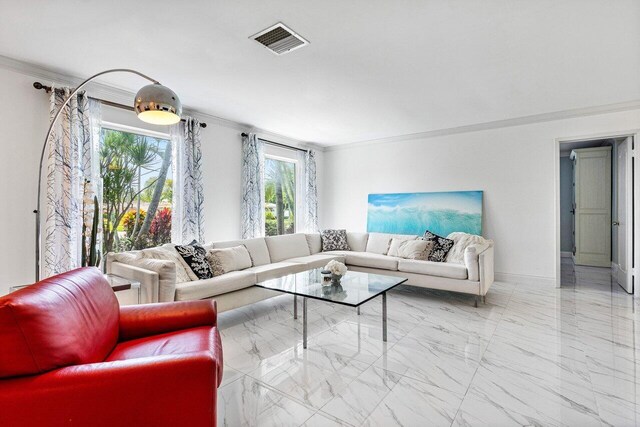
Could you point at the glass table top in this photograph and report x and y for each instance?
(354, 289)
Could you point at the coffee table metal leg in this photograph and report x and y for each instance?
(384, 316)
(304, 323)
(295, 306)
(358, 311)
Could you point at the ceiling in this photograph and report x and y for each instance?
(373, 69)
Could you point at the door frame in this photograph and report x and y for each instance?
(635, 237)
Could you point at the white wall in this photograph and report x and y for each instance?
(514, 166)
(23, 125)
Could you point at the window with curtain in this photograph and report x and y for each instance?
(280, 197)
(137, 191)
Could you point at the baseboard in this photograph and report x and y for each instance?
(525, 279)
(566, 254)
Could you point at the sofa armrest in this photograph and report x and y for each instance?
(149, 280)
(138, 321)
(143, 391)
(472, 259)
(486, 263)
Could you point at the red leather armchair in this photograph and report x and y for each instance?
(69, 355)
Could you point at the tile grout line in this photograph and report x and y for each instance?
(480, 361)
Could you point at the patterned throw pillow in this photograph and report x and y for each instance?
(226, 260)
(334, 240)
(411, 249)
(441, 246)
(196, 258)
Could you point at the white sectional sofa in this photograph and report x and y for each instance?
(274, 257)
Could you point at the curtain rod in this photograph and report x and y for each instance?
(277, 144)
(47, 89)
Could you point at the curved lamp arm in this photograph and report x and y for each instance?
(46, 140)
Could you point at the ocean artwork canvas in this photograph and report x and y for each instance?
(414, 213)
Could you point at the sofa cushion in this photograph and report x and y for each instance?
(430, 268)
(196, 258)
(275, 270)
(334, 240)
(441, 246)
(337, 253)
(367, 259)
(200, 289)
(226, 260)
(461, 242)
(123, 257)
(314, 241)
(357, 241)
(166, 276)
(317, 261)
(410, 248)
(287, 246)
(257, 249)
(201, 338)
(378, 243)
(168, 253)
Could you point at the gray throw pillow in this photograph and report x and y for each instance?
(334, 240)
(226, 260)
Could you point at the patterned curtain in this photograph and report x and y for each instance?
(73, 177)
(187, 217)
(252, 187)
(308, 192)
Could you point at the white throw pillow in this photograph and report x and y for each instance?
(378, 243)
(229, 259)
(168, 253)
(410, 249)
(461, 241)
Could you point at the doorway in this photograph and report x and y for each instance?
(596, 206)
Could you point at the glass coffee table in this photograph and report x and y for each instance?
(354, 289)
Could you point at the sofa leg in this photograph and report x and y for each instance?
(484, 299)
(475, 302)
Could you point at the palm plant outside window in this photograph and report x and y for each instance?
(279, 196)
(137, 190)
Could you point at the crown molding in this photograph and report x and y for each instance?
(124, 96)
(517, 121)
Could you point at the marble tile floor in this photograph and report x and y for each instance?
(533, 355)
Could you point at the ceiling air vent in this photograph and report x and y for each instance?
(279, 39)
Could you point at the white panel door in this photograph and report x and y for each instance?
(624, 222)
(593, 206)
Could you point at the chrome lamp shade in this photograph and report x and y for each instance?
(158, 105)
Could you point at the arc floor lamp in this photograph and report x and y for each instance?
(154, 103)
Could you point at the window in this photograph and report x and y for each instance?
(279, 196)
(136, 190)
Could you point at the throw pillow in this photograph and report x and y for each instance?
(229, 259)
(441, 246)
(334, 240)
(168, 254)
(461, 242)
(378, 243)
(196, 258)
(410, 249)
